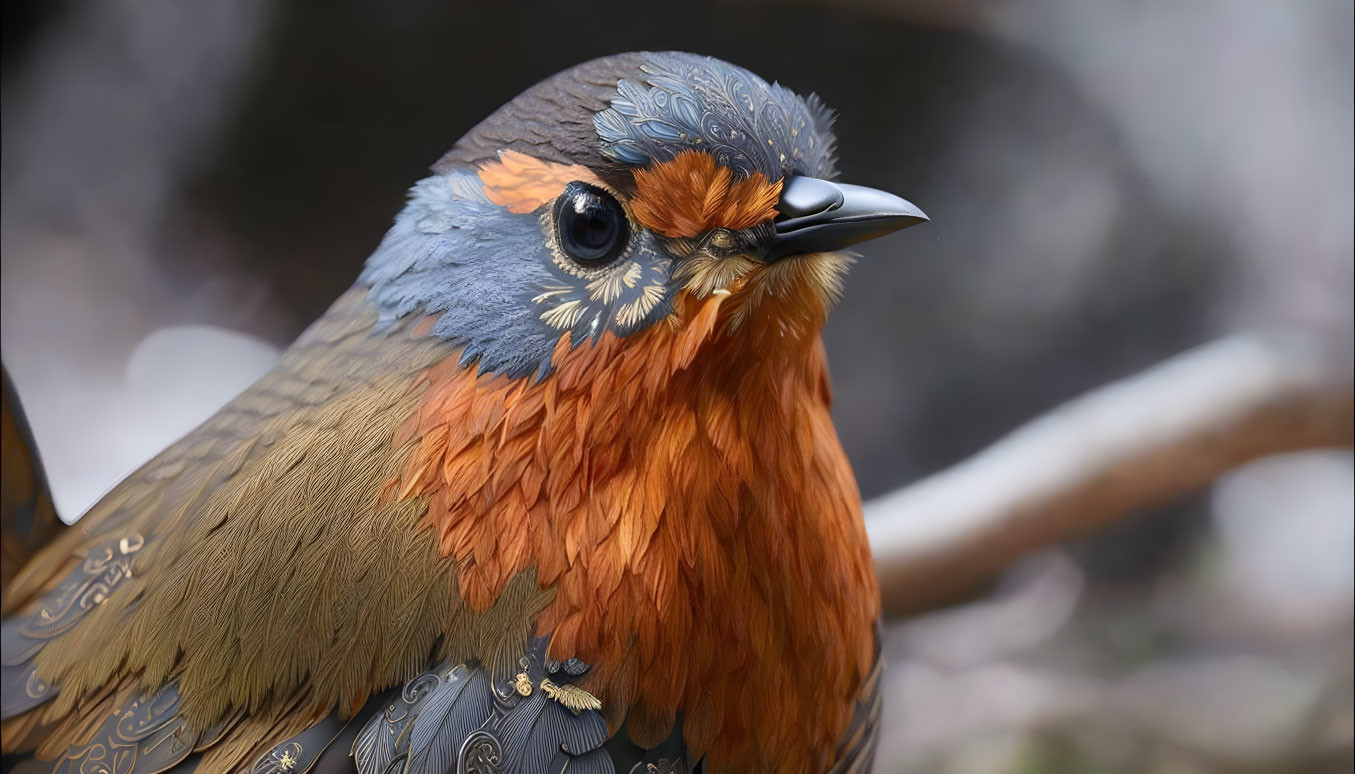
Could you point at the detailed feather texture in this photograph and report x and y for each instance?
(692, 194)
(855, 752)
(276, 551)
(453, 715)
(695, 557)
(521, 183)
(677, 102)
(644, 485)
(495, 287)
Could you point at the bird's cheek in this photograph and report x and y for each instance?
(704, 275)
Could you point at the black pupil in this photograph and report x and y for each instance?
(590, 224)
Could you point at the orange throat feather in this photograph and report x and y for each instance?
(685, 493)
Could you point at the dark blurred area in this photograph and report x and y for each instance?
(186, 186)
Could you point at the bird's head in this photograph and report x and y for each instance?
(622, 194)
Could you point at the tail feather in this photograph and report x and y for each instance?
(28, 519)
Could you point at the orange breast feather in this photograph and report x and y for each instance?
(685, 493)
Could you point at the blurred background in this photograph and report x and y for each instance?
(186, 185)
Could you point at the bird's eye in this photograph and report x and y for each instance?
(590, 226)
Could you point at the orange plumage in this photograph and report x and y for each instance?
(620, 476)
(521, 183)
(691, 194)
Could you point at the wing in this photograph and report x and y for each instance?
(213, 588)
(458, 718)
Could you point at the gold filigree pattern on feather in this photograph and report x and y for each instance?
(573, 697)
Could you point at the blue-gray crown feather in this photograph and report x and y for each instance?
(694, 102)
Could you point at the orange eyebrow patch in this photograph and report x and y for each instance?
(522, 183)
(691, 194)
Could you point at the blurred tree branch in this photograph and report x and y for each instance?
(1129, 445)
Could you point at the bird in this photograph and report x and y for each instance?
(553, 487)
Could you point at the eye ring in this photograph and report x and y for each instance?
(590, 226)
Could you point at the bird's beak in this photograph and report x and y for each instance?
(818, 216)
